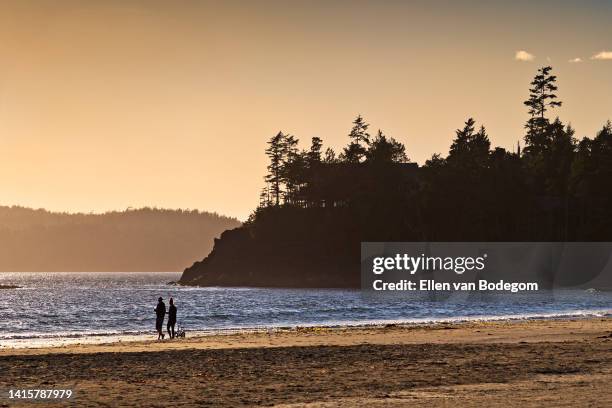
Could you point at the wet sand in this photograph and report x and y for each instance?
(527, 363)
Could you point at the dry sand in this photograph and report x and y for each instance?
(526, 363)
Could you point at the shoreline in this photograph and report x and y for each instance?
(558, 362)
(247, 338)
(60, 341)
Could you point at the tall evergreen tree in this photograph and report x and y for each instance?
(264, 197)
(359, 133)
(292, 167)
(314, 154)
(542, 97)
(541, 93)
(385, 149)
(461, 144)
(480, 144)
(276, 152)
(330, 156)
(359, 140)
(470, 149)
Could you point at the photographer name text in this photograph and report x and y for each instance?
(432, 285)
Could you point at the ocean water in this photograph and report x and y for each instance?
(59, 308)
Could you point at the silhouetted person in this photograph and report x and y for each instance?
(171, 318)
(160, 311)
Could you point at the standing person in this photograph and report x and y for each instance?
(171, 318)
(160, 312)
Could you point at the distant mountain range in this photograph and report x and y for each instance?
(146, 239)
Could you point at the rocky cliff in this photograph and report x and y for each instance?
(280, 253)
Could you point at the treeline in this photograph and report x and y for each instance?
(146, 239)
(555, 188)
(302, 177)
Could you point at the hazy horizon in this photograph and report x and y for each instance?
(116, 104)
(138, 240)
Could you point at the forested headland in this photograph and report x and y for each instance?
(318, 205)
(146, 239)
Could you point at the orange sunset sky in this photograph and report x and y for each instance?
(109, 104)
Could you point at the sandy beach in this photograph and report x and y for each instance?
(527, 363)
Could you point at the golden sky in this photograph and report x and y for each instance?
(109, 104)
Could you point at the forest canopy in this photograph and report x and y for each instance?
(555, 188)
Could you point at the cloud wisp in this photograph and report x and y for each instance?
(575, 60)
(524, 56)
(603, 55)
